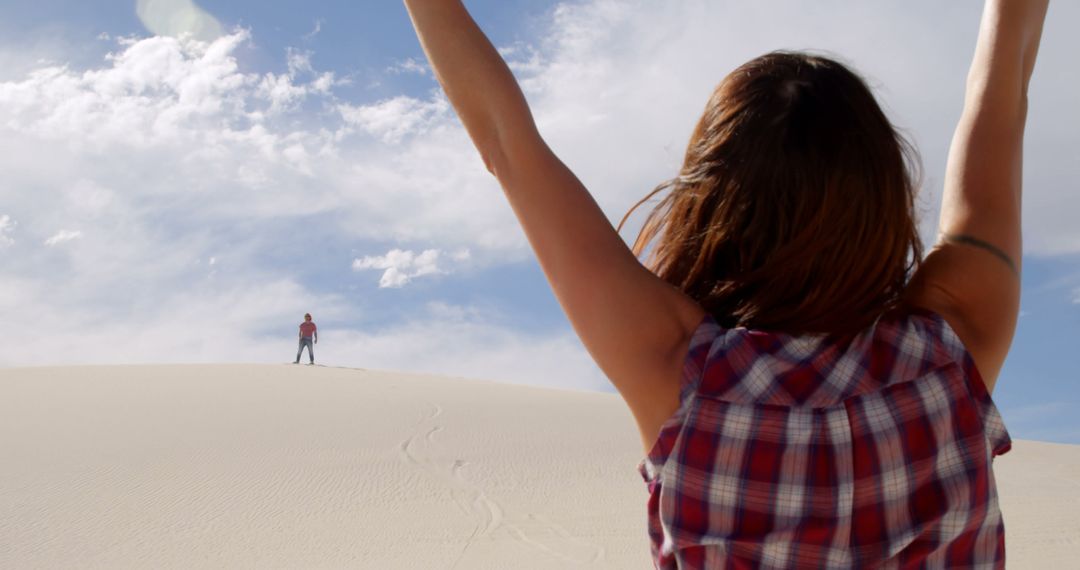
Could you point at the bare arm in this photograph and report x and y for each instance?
(972, 276)
(635, 326)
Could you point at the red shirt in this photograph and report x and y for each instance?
(307, 328)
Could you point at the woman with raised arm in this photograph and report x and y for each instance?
(810, 391)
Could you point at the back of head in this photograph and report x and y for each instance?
(794, 207)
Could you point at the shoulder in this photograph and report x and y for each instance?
(981, 327)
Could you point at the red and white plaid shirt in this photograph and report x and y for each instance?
(821, 452)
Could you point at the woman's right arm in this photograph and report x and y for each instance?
(972, 276)
(636, 326)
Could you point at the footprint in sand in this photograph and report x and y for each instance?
(532, 530)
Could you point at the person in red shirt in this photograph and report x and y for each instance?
(309, 336)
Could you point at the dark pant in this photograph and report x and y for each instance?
(306, 341)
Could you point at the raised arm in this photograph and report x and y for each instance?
(636, 326)
(972, 276)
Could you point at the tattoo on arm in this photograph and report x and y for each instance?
(973, 241)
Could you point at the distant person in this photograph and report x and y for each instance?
(309, 336)
(811, 391)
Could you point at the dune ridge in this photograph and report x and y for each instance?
(281, 466)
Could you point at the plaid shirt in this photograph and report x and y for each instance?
(820, 452)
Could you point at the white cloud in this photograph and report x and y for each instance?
(284, 93)
(156, 91)
(523, 59)
(410, 65)
(298, 62)
(281, 92)
(400, 266)
(617, 86)
(170, 153)
(231, 143)
(393, 119)
(62, 236)
(314, 31)
(7, 227)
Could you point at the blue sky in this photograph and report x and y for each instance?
(166, 200)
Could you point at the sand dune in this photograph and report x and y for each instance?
(259, 466)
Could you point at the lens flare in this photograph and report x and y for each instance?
(178, 18)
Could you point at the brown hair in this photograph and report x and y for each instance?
(794, 207)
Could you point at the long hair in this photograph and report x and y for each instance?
(794, 207)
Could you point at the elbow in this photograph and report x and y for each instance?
(489, 163)
(1003, 106)
(494, 159)
(506, 148)
(504, 154)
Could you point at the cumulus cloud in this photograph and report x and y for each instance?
(284, 92)
(400, 266)
(169, 146)
(153, 91)
(62, 236)
(170, 152)
(178, 121)
(393, 119)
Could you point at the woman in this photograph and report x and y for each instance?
(809, 390)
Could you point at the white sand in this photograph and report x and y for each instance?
(1039, 489)
(250, 466)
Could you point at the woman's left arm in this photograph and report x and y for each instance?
(635, 326)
